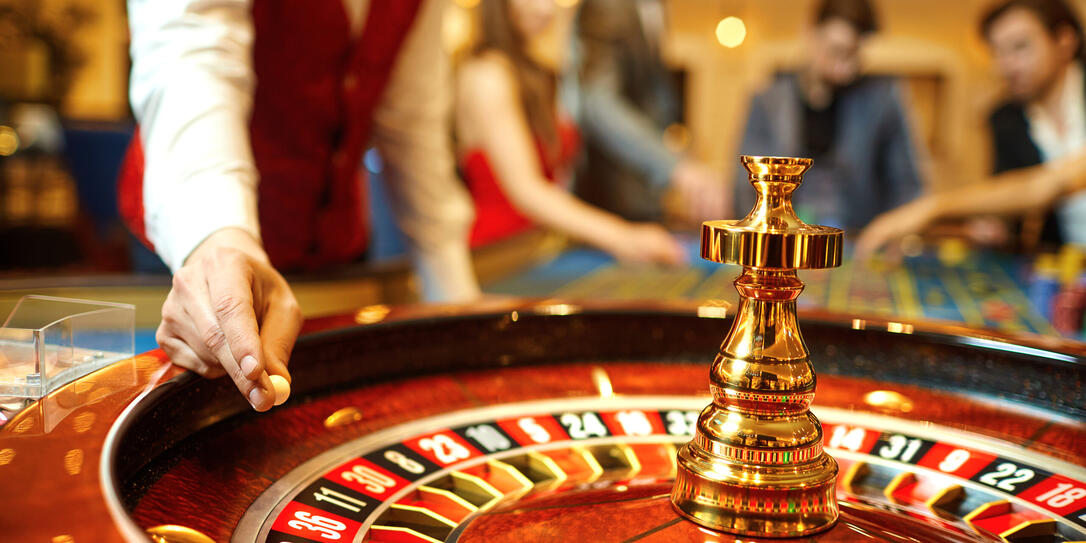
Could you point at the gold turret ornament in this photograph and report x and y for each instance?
(756, 466)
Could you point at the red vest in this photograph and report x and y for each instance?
(312, 110)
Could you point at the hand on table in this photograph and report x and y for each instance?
(894, 225)
(229, 311)
(704, 193)
(987, 231)
(647, 243)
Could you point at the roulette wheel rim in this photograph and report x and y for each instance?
(277, 496)
(563, 315)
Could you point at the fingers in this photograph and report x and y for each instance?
(210, 318)
(181, 354)
(231, 333)
(221, 324)
(695, 198)
(864, 250)
(873, 238)
(893, 255)
(230, 292)
(700, 205)
(704, 193)
(710, 207)
(719, 204)
(710, 201)
(727, 203)
(672, 253)
(662, 247)
(178, 337)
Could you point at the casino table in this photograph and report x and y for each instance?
(582, 414)
(981, 289)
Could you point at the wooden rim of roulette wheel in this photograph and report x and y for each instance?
(552, 421)
(191, 453)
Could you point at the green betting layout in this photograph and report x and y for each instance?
(981, 289)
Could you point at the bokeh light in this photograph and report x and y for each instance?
(456, 28)
(731, 31)
(9, 140)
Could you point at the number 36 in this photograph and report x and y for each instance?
(328, 528)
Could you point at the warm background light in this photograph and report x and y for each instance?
(731, 31)
(9, 140)
(944, 65)
(456, 29)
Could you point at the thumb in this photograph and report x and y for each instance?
(278, 332)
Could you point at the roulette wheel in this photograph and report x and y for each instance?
(544, 420)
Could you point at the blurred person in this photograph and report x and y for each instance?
(854, 127)
(1038, 134)
(252, 118)
(624, 99)
(516, 146)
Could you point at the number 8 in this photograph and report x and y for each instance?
(408, 465)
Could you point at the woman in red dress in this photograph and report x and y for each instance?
(516, 149)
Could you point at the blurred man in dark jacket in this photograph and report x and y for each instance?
(855, 128)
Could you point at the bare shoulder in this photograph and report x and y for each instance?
(486, 78)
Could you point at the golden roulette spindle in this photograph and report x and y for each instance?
(756, 464)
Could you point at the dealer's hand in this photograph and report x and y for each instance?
(231, 312)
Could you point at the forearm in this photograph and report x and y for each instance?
(1013, 193)
(558, 210)
(446, 273)
(411, 130)
(191, 91)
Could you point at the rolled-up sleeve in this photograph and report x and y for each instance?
(191, 91)
(412, 133)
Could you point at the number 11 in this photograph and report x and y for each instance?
(340, 499)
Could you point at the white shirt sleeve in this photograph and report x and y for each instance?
(412, 133)
(191, 91)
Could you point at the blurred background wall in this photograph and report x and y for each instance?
(94, 32)
(933, 42)
(72, 55)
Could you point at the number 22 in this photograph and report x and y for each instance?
(1003, 471)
